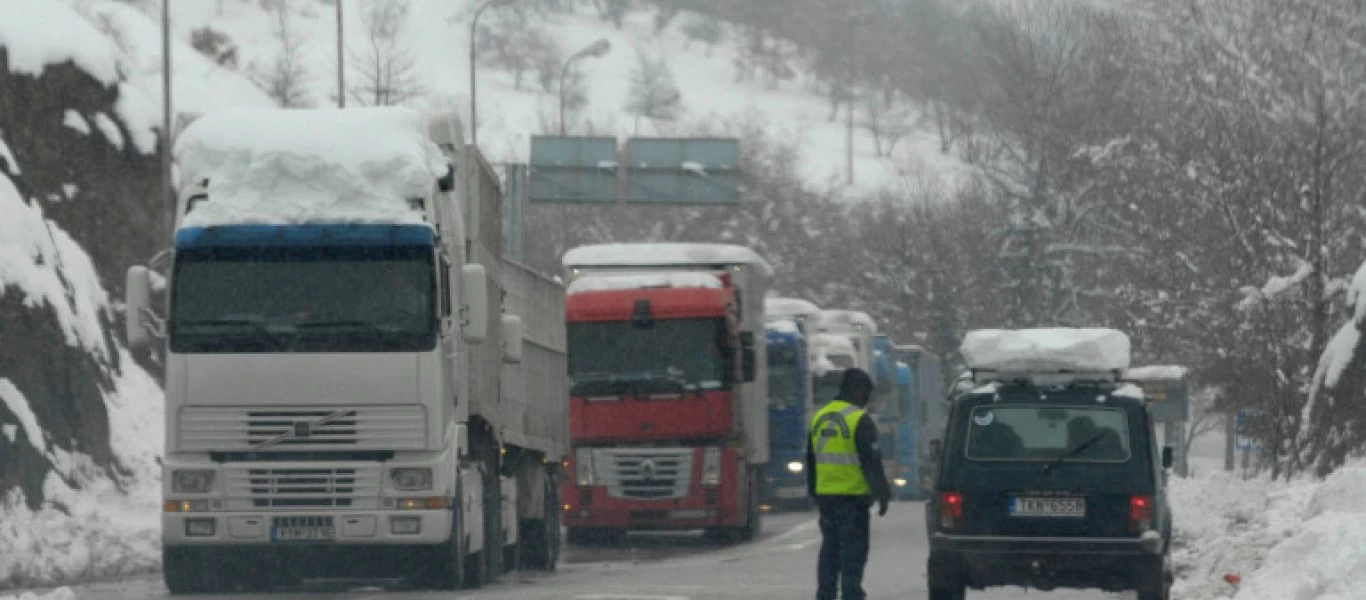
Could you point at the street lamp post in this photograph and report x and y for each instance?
(167, 190)
(596, 50)
(474, 98)
(341, 59)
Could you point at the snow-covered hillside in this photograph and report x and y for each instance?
(437, 32)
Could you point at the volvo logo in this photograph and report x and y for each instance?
(647, 470)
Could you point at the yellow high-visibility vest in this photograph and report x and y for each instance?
(832, 439)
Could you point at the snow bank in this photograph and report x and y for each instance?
(1356, 297)
(628, 255)
(843, 321)
(30, 248)
(76, 122)
(91, 526)
(279, 166)
(15, 401)
(605, 283)
(1156, 372)
(10, 164)
(62, 593)
(38, 34)
(1046, 350)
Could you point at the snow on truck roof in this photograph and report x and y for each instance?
(841, 320)
(671, 254)
(639, 281)
(786, 308)
(1046, 350)
(292, 166)
(1156, 372)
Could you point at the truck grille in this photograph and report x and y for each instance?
(646, 473)
(350, 428)
(261, 486)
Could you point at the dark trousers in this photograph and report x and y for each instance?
(844, 546)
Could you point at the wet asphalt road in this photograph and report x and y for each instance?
(778, 566)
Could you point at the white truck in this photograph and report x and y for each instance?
(843, 340)
(342, 397)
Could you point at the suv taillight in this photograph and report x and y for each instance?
(1140, 514)
(950, 510)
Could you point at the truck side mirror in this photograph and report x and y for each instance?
(137, 301)
(747, 367)
(474, 298)
(1168, 457)
(936, 449)
(512, 339)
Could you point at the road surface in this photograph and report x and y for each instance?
(778, 566)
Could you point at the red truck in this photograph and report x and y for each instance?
(668, 389)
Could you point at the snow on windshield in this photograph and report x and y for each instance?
(1046, 349)
(278, 166)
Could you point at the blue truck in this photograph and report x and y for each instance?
(928, 403)
(893, 411)
(789, 404)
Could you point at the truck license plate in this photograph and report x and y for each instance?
(1024, 506)
(303, 534)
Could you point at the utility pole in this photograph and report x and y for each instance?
(1230, 440)
(849, 143)
(341, 59)
(167, 189)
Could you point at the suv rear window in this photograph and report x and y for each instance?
(1041, 433)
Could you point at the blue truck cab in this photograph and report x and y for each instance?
(789, 403)
(896, 430)
(906, 484)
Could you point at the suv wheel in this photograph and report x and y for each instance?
(956, 593)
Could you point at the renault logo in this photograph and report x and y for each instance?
(647, 470)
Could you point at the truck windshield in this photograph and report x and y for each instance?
(666, 355)
(303, 299)
(826, 387)
(784, 387)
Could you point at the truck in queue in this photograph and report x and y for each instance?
(789, 408)
(668, 389)
(895, 422)
(928, 401)
(343, 397)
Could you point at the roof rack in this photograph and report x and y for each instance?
(1046, 378)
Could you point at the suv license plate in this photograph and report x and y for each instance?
(1047, 507)
(303, 534)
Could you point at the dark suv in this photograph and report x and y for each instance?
(1047, 487)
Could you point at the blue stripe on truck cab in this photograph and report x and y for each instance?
(313, 234)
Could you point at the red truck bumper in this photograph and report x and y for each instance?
(605, 506)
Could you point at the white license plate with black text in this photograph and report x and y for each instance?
(1026, 506)
(304, 534)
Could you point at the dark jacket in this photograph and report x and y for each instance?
(869, 458)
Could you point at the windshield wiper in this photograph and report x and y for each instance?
(256, 326)
(366, 325)
(1078, 449)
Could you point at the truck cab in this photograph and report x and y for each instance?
(789, 393)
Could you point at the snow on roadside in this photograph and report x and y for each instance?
(1304, 540)
(89, 525)
(62, 593)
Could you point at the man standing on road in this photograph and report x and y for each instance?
(844, 474)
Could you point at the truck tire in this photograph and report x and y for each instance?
(541, 538)
(446, 569)
(181, 572)
(476, 570)
(754, 519)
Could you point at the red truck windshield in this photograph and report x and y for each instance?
(621, 357)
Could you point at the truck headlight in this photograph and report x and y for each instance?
(412, 479)
(795, 467)
(191, 481)
(711, 466)
(583, 467)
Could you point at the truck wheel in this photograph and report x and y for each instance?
(446, 569)
(476, 570)
(754, 519)
(181, 572)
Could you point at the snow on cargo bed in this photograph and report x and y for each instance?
(844, 320)
(329, 165)
(782, 326)
(631, 255)
(1046, 350)
(608, 283)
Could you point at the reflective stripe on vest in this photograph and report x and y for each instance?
(838, 472)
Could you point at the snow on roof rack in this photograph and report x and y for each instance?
(1047, 350)
(1046, 378)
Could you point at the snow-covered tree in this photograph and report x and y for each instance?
(286, 77)
(653, 94)
(387, 66)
